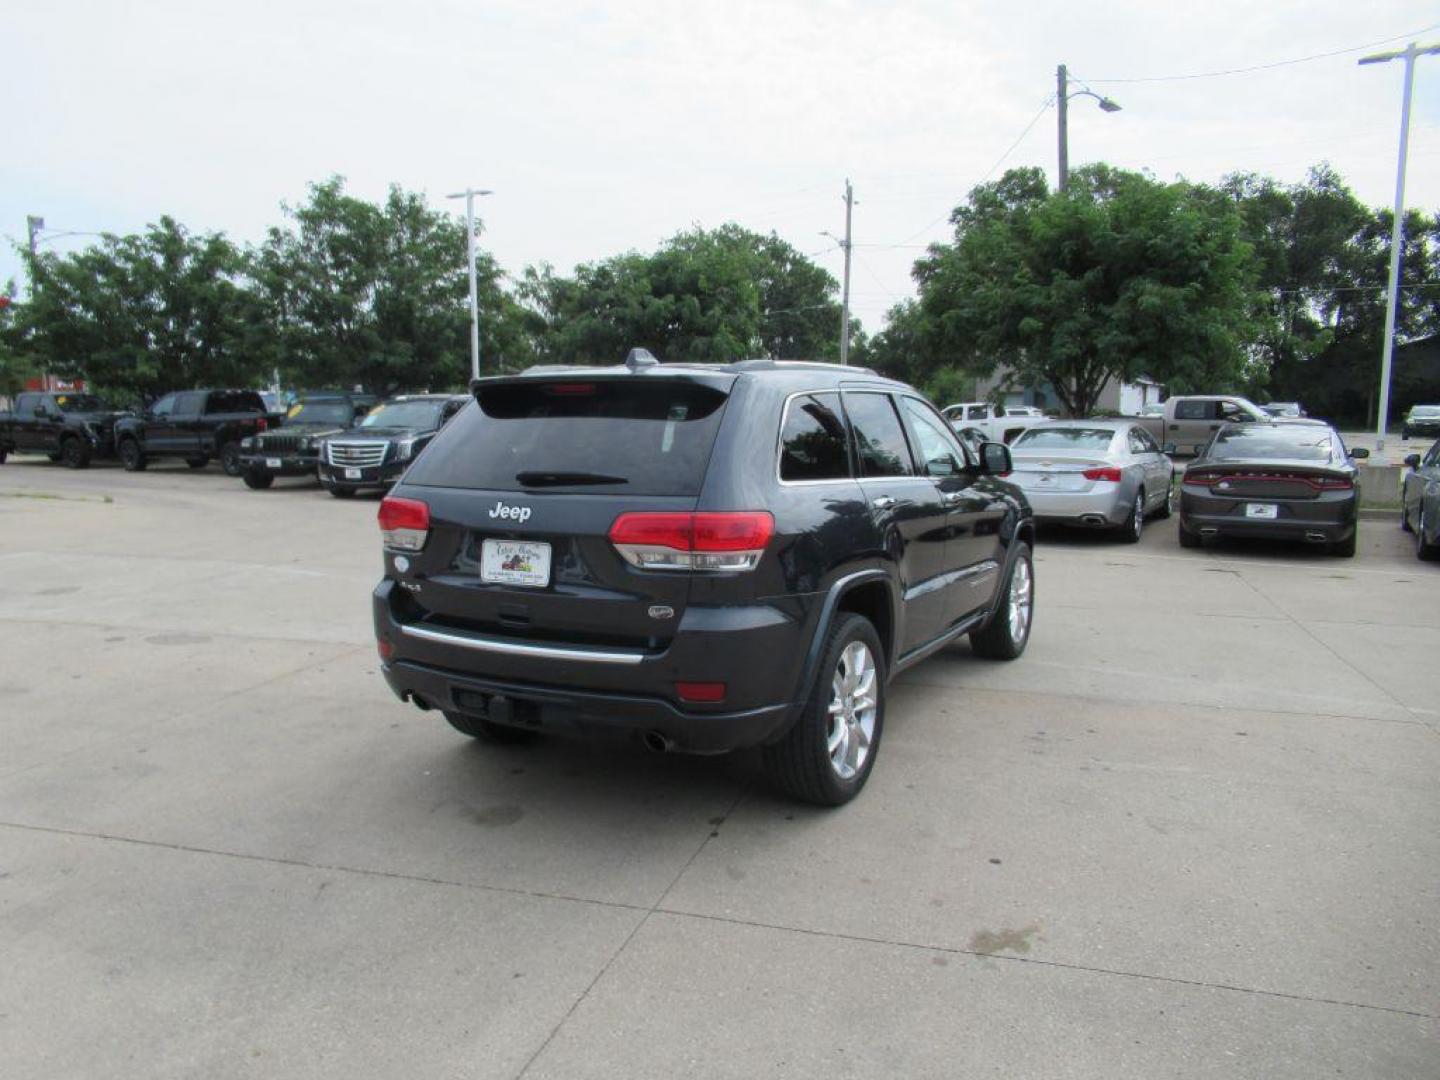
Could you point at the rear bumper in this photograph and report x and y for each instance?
(757, 651)
(1320, 520)
(1097, 509)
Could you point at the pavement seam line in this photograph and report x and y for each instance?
(1060, 964)
(136, 628)
(744, 790)
(333, 868)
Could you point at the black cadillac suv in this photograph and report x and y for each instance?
(380, 448)
(700, 557)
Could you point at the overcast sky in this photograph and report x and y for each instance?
(609, 126)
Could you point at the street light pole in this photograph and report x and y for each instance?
(469, 196)
(845, 246)
(1409, 54)
(1062, 109)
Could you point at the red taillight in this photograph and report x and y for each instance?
(698, 692)
(404, 523)
(704, 541)
(1199, 479)
(262, 424)
(385, 649)
(1103, 473)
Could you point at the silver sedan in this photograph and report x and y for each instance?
(1107, 474)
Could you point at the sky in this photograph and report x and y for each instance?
(606, 127)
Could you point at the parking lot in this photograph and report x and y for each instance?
(1194, 831)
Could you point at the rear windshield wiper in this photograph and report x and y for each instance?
(559, 479)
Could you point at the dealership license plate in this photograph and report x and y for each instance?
(515, 562)
(352, 474)
(272, 463)
(1265, 511)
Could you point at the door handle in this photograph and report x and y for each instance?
(952, 498)
(884, 502)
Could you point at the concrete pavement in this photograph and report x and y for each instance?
(1193, 832)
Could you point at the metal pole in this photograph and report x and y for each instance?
(845, 299)
(34, 224)
(1392, 300)
(1062, 106)
(474, 290)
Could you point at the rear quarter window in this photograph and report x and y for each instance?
(641, 436)
(813, 445)
(232, 401)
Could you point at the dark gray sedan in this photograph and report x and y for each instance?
(1420, 502)
(1287, 481)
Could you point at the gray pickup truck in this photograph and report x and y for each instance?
(1188, 422)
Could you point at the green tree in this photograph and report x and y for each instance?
(1118, 276)
(377, 295)
(704, 295)
(142, 314)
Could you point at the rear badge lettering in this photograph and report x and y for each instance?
(512, 513)
(662, 611)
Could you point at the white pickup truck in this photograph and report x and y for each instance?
(993, 420)
(1188, 422)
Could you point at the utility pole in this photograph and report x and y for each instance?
(469, 196)
(1409, 54)
(34, 224)
(1062, 106)
(845, 294)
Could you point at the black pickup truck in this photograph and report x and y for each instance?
(67, 426)
(294, 449)
(197, 425)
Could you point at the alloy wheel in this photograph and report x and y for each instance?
(1139, 525)
(1022, 593)
(853, 707)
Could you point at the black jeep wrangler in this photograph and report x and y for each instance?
(293, 449)
(702, 557)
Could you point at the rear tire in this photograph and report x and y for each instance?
(1188, 539)
(132, 458)
(1345, 548)
(483, 730)
(1134, 527)
(1164, 511)
(74, 454)
(4, 453)
(198, 462)
(342, 493)
(1007, 633)
(230, 459)
(828, 738)
(258, 481)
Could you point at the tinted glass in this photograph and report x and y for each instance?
(190, 404)
(642, 436)
(420, 415)
(812, 439)
(164, 405)
(228, 401)
(25, 405)
(976, 412)
(321, 412)
(879, 438)
(1309, 442)
(1066, 438)
(1195, 410)
(1428, 412)
(938, 453)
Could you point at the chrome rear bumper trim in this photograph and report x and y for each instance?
(515, 648)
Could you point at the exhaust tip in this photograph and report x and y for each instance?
(656, 742)
(1316, 537)
(1209, 530)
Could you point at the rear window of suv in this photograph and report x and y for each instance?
(643, 436)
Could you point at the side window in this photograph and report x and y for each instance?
(188, 404)
(1194, 410)
(165, 406)
(939, 454)
(879, 438)
(1140, 442)
(976, 412)
(25, 406)
(812, 439)
(1230, 411)
(1433, 457)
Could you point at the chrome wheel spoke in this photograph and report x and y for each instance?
(854, 702)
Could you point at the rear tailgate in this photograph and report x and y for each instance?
(523, 493)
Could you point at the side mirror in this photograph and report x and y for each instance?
(1169, 448)
(1359, 453)
(1413, 461)
(995, 459)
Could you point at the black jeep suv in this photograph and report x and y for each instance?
(704, 557)
(294, 448)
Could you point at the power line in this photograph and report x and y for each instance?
(1274, 64)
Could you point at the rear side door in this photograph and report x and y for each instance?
(26, 424)
(910, 514)
(1155, 466)
(1196, 419)
(187, 424)
(973, 518)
